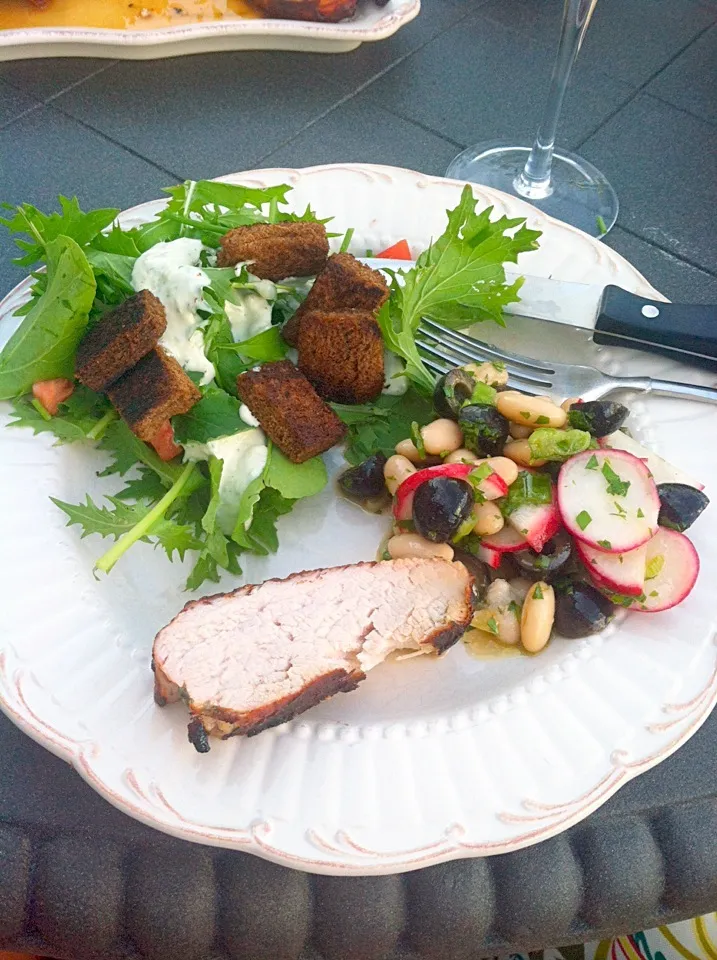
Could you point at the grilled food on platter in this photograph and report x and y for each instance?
(255, 658)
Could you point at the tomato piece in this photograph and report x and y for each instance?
(164, 443)
(51, 393)
(399, 251)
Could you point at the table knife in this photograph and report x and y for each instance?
(683, 331)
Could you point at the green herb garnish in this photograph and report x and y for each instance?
(606, 545)
(492, 626)
(537, 592)
(616, 486)
(592, 463)
(654, 566)
(417, 438)
(583, 519)
(534, 488)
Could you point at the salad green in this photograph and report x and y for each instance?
(196, 504)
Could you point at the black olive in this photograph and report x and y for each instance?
(580, 609)
(452, 391)
(477, 570)
(548, 564)
(440, 505)
(485, 431)
(552, 468)
(365, 480)
(599, 417)
(680, 505)
(197, 735)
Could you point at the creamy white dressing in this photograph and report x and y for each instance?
(244, 457)
(248, 318)
(170, 270)
(393, 386)
(247, 416)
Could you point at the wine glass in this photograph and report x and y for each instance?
(562, 184)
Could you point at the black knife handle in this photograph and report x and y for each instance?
(683, 331)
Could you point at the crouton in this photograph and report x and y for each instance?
(274, 251)
(151, 392)
(117, 341)
(289, 410)
(344, 283)
(341, 354)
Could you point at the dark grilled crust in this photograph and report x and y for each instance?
(289, 410)
(344, 283)
(154, 390)
(341, 353)
(276, 250)
(330, 11)
(119, 340)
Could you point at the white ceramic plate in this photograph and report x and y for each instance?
(370, 23)
(427, 760)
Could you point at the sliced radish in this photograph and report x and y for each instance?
(490, 556)
(671, 569)
(620, 572)
(506, 540)
(661, 470)
(608, 499)
(492, 486)
(537, 522)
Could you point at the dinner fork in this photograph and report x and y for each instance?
(442, 349)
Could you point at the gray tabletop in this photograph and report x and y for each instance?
(77, 878)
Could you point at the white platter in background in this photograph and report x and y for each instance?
(370, 23)
(425, 761)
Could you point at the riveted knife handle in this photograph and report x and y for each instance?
(683, 331)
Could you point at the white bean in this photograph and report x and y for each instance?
(504, 467)
(537, 618)
(409, 450)
(498, 593)
(487, 518)
(442, 436)
(411, 545)
(538, 411)
(519, 452)
(395, 471)
(462, 456)
(567, 404)
(488, 373)
(520, 431)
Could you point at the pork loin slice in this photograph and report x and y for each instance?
(256, 657)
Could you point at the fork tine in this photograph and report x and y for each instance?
(519, 381)
(471, 343)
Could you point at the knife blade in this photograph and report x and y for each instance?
(615, 317)
(683, 331)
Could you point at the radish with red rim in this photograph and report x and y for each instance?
(619, 572)
(537, 522)
(671, 570)
(608, 499)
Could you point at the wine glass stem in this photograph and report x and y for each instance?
(534, 181)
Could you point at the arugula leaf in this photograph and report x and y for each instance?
(294, 481)
(262, 537)
(42, 228)
(115, 268)
(378, 427)
(44, 345)
(215, 415)
(457, 281)
(75, 419)
(116, 241)
(146, 486)
(122, 519)
(262, 348)
(126, 450)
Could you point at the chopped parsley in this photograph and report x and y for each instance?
(492, 626)
(514, 608)
(606, 545)
(537, 593)
(583, 519)
(616, 486)
(498, 365)
(592, 463)
(528, 487)
(654, 566)
(640, 514)
(525, 414)
(417, 438)
(542, 420)
(620, 511)
(654, 593)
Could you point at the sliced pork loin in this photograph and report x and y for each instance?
(255, 658)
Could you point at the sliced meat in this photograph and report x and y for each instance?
(274, 251)
(341, 353)
(119, 340)
(290, 411)
(344, 284)
(255, 658)
(154, 390)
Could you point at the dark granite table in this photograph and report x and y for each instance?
(80, 880)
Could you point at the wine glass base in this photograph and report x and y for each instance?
(578, 193)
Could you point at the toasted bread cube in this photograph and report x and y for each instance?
(344, 283)
(341, 353)
(151, 392)
(289, 410)
(274, 251)
(119, 339)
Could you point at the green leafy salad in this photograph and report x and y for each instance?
(223, 494)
